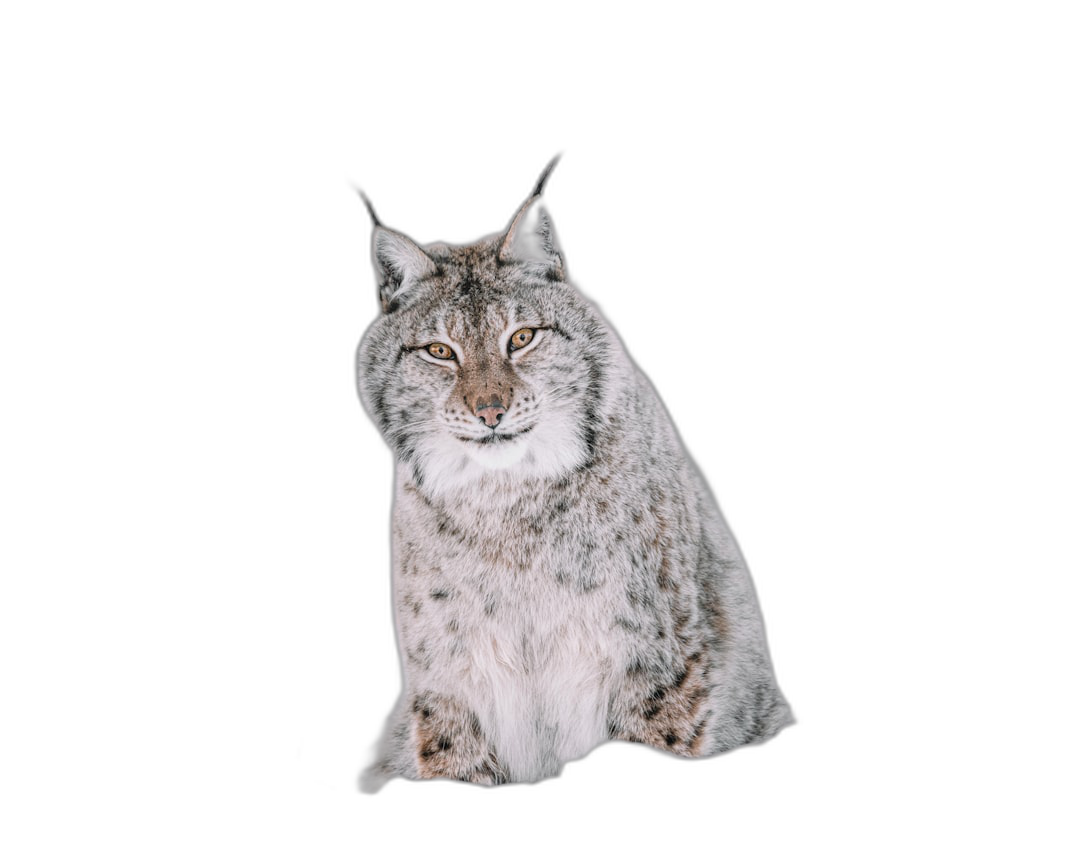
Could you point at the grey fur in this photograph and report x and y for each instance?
(562, 577)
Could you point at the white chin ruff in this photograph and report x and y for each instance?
(498, 455)
(550, 450)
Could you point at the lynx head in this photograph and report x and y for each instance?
(486, 364)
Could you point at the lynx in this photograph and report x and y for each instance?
(561, 573)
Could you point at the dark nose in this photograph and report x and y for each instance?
(490, 412)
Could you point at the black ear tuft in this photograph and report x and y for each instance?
(542, 180)
(368, 205)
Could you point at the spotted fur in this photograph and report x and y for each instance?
(561, 575)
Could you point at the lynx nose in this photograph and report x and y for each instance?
(490, 412)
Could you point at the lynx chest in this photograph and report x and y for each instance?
(515, 612)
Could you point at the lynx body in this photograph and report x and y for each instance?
(561, 573)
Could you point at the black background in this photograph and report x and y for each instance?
(730, 262)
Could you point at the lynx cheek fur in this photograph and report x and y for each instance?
(561, 573)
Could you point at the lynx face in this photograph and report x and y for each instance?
(485, 362)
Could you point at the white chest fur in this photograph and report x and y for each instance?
(541, 681)
(533, 659)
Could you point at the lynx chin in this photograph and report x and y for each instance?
(561, 573)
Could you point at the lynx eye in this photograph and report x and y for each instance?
(521, 338)
(440, 350)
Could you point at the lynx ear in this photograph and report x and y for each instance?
(399, 263)
(530, 236)
(399, 260)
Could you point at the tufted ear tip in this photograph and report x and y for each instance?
(542, 180)
(368, 205)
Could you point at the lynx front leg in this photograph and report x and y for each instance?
(665, 708)
(448, 742)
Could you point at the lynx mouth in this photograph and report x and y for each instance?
(496, 438)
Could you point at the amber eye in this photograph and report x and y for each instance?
(521, 338)
(440, 350)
